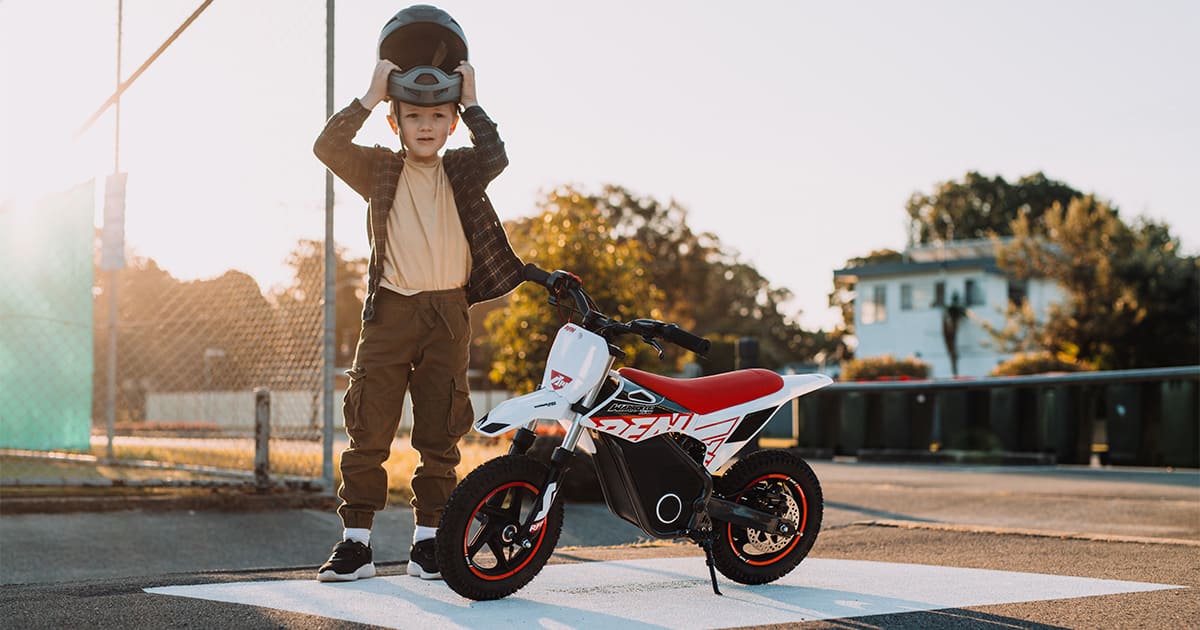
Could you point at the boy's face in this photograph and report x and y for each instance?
(424, 130)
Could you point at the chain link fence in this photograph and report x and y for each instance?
(219, 285)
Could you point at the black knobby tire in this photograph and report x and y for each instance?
(479, 542)
(777, 482)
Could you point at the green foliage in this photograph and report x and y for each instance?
(168, 326)
(705, 287)
(569, 234)
(639, 258)
(980, 207)
(883, 367)
(1130, 298)
(1037, 363)
(306, 292)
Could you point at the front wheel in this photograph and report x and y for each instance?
(483, 549)
(781, 484)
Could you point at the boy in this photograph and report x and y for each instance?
(437, 246)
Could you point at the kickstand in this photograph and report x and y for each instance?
(708, 558)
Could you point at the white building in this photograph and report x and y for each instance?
(899, 306)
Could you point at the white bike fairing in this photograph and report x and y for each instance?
(576, 366)
(712, 429)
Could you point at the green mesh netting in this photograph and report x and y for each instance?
(46, 366)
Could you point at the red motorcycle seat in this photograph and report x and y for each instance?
(707, 394)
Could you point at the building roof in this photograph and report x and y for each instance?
(986, 264)
(952, 250)
(957, 255)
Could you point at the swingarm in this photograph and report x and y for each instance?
(743, 516)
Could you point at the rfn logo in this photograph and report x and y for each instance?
(558, 380)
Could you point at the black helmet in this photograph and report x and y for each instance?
(423, 35)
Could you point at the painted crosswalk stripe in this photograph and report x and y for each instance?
(665, 592)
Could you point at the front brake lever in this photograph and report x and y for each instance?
(651, 341)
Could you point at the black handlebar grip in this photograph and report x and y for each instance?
(685, 339)
(533, 273)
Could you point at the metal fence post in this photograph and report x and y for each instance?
(329, 353)
(262, 439)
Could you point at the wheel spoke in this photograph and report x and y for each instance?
(491, 513)
(497, 546)
(492, 520)
(482, 537)
(496, 503)
(513, 511)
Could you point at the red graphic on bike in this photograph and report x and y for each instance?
(558, 380)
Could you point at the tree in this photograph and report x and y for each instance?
(571, 234)
(181, 336)
(952, 314)
(1131, 299)
(686, 277)
(706, 288)
(305, 294)
(980, 207)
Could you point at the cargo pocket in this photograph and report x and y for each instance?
(461, 415)
(352, 403)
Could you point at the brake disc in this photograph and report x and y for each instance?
(761, 543)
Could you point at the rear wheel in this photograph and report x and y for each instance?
(483, 550)
(778, 483)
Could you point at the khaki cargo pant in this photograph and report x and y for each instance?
(421, 343)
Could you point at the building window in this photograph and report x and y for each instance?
(974, 294)
(906, 297)
(875, 307)
(1018, 292)
(939, 294)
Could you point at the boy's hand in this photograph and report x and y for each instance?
(377, 92)
(468, 84)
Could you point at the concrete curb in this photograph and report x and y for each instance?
(216, 500)
(995, 458)
(1013, 531)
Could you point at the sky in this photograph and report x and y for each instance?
(794, 131)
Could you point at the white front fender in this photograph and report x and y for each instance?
(543, 404)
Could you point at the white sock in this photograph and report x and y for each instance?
(423, 533)
(360, 534)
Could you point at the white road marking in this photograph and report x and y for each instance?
(665, 592)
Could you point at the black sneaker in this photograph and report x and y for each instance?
(422, 560)
(350, 560)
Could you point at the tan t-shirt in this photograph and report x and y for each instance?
(426, 248)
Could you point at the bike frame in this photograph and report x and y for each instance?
(579, 371)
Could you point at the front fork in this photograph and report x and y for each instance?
(560, 460)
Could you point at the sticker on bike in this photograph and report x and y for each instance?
(558, 380)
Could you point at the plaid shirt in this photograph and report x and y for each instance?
(374, 173)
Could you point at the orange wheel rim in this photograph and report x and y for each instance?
(468, 539)
(783, 553)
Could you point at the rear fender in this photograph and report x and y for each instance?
(724, 447)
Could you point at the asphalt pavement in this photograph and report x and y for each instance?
(91, 569)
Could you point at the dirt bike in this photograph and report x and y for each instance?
(657, 444)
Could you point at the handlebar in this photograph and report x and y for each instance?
(533, 273)
(560, 282)
(686, 340)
